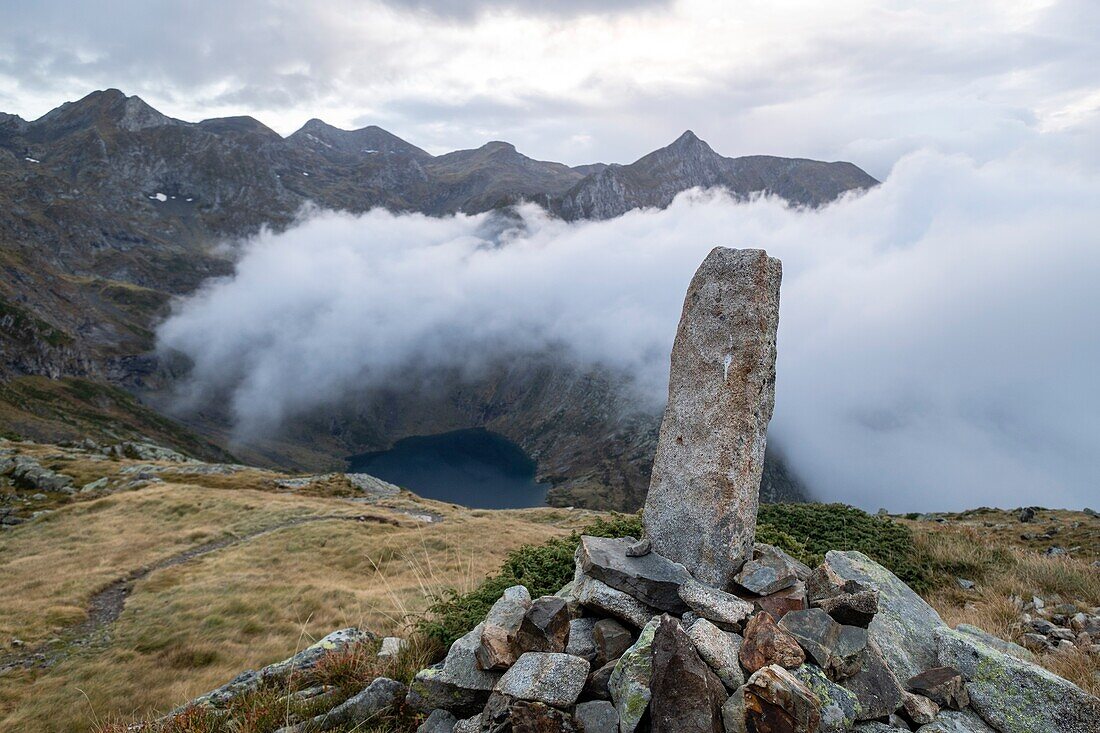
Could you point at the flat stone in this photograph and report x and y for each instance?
(597, 716)
(1015, 696)
(440, 721)
(687, 694)
(781, 603)
(611, 639)
(499, 647)
(918, 709)
(779, 556)
(765, 643)
(720, 649)
(762, 578)
(458, 684)
(904, 625)
(526, 716)
(651, 578)
(839, 708)
(943, 685)
(545, 626)
(723, 609)
(876, 687)
(582, 640)
(602, 598)
(555, 679)
(835, 648)
(629, 682)
(704, 493)
(954, 721)
(775, 700)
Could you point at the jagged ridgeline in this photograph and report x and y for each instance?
(111, 208)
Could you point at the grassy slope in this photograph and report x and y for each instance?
(188, 628)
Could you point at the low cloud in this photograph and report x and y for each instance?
(938, 343)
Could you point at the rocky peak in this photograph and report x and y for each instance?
(101, 110)
(322, 137)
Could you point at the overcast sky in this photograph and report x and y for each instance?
(585, 80)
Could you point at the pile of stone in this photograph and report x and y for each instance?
(637, 643)
(1059, 627)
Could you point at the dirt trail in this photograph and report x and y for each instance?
(106, 605)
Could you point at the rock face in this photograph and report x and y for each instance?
(903, 626)
(1015, 696)
(687, 695)
(704, 492)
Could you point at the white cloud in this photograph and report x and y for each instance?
(851, 78)
(937, 335)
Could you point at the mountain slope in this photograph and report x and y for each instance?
(109, 209)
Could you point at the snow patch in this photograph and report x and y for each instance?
(32, 160)
(158, 197)
(304, 173)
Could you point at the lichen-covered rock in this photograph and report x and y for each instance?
(903, 626)
(687, 694)
(652, 579)
(875, 686)
(725, 610)
(703, 496)
(545, 626)
(458, 684)
(999, 644)
(839, 708)
(629, 682)
(775, 700)
(956, 721)
(1015, 696)
(391, 647)
(765, 644)
(597, 716)
(599, 596)
(719, 649)
(498, 647)
(553, 678)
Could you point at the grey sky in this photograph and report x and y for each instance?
(583, 80)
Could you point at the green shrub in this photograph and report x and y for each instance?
(542, 569)
(808, 531)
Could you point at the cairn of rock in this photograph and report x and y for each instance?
(704, 492)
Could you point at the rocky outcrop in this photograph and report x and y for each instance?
(704, 491)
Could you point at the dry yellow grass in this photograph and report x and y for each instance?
(188, 628)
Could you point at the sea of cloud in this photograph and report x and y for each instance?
(938, 346)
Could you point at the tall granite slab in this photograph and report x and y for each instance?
(704, 492)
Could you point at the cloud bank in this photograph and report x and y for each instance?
(938, 341)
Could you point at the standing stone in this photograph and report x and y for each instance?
(687, 694)
(704, 493)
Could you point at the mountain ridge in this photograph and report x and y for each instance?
(111, 209)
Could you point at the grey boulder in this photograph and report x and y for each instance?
(956, 721)
(835, 648)
(719, 649)
(629, 682)
(458, 684)
(599, 596)
(1015, 696)
(547, 677)
(440, 721)
(725, 610)
(498, 647)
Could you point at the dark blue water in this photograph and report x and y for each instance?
(475, 468)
